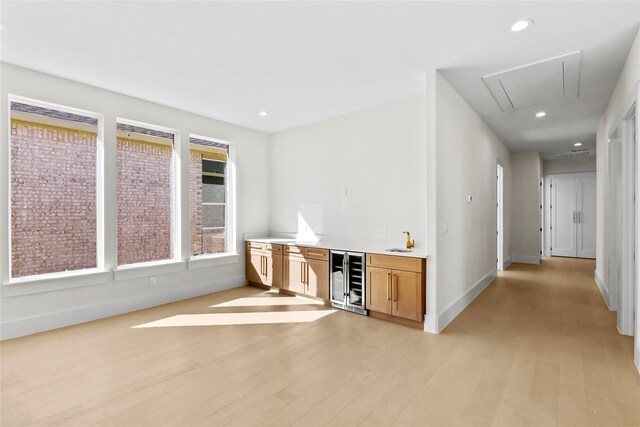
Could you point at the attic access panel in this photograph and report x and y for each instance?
(540, 83)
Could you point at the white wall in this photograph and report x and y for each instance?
(626, 90)
(584, 164)
(40, 307)
(358, 175)
(462, 153)
(526, 198)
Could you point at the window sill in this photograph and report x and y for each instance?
(148, 269)
(55, 282)
(206, 261)
(29, 285)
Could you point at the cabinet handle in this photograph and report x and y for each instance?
(302, 272)
(395, 288)
(388, 286)
(306, 274)
(261, 265)
(264, 261)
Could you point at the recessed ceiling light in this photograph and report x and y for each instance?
(541, 114)
(521, 25)
(263, 114)
(578, 144)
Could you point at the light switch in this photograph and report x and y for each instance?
(469, 198)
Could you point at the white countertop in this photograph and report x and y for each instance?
(343, 244)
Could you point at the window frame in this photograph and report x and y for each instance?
(230, 201)
(175, 229)
(107, 271)
(99, 175)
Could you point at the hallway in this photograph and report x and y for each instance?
(560, 351)
(538, 347)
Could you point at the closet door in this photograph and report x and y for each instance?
(563, 217)
(586, 222)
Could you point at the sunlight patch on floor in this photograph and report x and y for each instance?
(269, 302)
(224, 319)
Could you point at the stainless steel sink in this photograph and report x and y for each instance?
(398, 250)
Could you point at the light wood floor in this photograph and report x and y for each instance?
(538, 347)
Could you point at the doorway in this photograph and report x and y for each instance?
(499, 216)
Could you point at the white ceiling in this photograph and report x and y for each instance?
(306, 61)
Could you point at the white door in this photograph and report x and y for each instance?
(586, 219)
(563, 217)
(573, 215)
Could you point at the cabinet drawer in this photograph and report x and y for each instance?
(395, 262)
(255, 246)
(273, 249)
(314, 253)
(293, 250)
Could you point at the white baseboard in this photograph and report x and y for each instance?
(637, 358)
(506, 263)
(31, 325)
(526, 259)
(436, 324)
(603, 289)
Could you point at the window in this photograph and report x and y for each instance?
(145, 214)
(209, 196)
(53, 189)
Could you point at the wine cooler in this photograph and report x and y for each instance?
(347, 282)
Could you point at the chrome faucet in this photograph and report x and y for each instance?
(410, 243)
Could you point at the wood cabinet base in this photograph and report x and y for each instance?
(261, 286)
(287, 292)
(399, 320)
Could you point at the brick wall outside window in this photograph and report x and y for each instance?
(144, 201)
(53, 199)
(213, 241)
(195, 202)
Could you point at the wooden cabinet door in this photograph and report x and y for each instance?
(274, 270)
(379, 289)
(255, 267)
(294, 274)
(406, 292)
(317, 278)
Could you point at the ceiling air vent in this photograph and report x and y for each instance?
(540, 83)
(572, 155)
